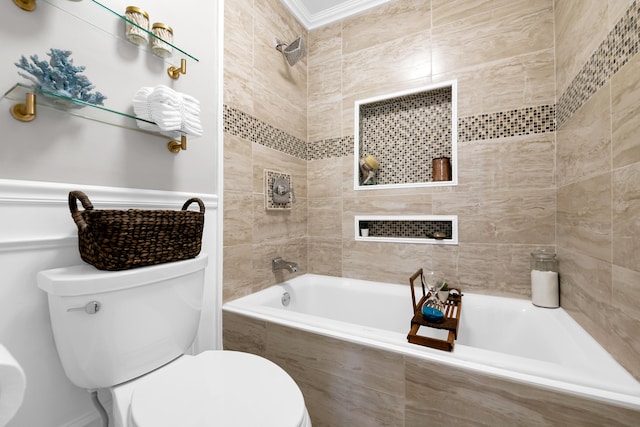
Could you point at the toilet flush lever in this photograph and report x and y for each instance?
(92, 307)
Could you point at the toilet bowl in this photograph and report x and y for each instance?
(130, 332)
(213, 388)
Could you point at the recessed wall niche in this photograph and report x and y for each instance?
(398, 135)
(427, 229)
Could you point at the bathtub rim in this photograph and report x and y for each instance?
(270, 314)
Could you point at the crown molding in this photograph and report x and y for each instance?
(336, 13)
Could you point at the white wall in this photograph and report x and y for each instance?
(43, 160)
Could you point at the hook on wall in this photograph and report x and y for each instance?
(174, 72)
(28, 5)
(25, 112)
(175, 146)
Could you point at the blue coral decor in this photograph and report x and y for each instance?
(60, 76)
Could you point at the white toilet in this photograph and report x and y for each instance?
(128, 331)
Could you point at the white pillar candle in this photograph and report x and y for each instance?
(544, 288)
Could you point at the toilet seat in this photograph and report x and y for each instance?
(217, 388)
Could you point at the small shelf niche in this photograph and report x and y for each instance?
(404, 131)
(426, 229)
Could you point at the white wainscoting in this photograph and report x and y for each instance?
(38, 233)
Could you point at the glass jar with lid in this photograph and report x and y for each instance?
(545, 290)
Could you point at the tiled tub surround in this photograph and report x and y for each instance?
(349, 336)
(506, 197)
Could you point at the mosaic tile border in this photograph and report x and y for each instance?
(245, 126)
(620, 45)
(524, 121)
(330, 148)
(503, 124)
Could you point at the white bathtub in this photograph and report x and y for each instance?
(504, 337)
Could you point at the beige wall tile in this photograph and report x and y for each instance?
(403, 60)
(363, 366)
(324, 110)
(626, 216)
(238, 54)
(523, 216)
(580, 28)
(447, 12)
(496, 269)
(238, 168)
(238, 218)
(325, 43)
(584, 141)
(367, 388)
(236, 262)
(324, 177)
(325, 217)
(517, 29)
(512, 83)
(616, 9)
(626, 291)
(584, 282)
(392, 20)
(584, 217)
(590, 302)
(325, 256)
(242, 333)
(522, 162)
(625, 93)
(484, 400)
(383, 262)
(277, 225)
(325, 119)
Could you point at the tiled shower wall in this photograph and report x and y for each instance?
(598, 164)
(265, 119)
(502, 54)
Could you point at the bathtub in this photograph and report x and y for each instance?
(502, 337)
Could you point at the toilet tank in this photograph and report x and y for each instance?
(146, 317)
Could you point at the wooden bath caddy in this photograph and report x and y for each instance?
(453, 307)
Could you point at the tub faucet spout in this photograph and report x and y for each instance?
(280, 264)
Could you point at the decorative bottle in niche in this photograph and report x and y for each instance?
(544, 279)
(441, 168)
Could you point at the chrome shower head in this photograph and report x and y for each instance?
(293, 52)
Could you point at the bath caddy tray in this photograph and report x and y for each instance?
(453, 307)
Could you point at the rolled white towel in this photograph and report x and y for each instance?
(173, 113)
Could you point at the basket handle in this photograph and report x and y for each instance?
(73, 207)
(193, 199)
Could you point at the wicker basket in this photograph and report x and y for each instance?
(125, 239)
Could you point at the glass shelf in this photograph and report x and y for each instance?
(76, 107)
(172, 59)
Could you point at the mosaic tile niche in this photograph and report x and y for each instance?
(405, 131)
(429, 229)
